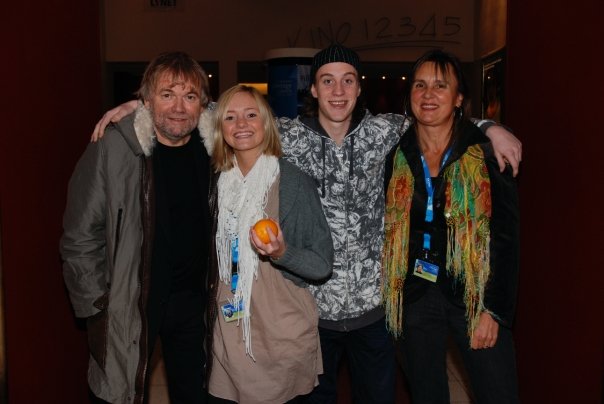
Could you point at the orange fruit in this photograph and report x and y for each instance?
(261, 228)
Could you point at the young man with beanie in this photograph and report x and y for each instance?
(343, 147)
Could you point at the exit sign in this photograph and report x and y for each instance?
(163, 4)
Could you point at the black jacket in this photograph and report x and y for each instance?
(501, 288)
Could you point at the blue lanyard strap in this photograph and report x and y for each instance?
(430, 191)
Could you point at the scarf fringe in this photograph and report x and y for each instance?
(242, 202)
(396, 242)
(468, 212)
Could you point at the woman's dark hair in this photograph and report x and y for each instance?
(444, 63)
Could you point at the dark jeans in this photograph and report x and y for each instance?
(181, 330)
(370, 354)
(427, 324)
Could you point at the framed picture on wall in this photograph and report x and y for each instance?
(493, 72)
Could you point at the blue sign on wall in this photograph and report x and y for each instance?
(288, 83)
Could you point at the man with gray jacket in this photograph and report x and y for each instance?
(135, 241)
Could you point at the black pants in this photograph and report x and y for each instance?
(371, 360)
(179, 325)
(427, 325)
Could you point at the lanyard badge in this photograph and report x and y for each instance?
(235, 261)
(231, 312)
(423, 268)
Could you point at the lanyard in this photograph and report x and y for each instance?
(430, 191)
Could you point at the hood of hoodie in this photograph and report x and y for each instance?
(314, 124)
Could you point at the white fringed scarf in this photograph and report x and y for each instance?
(241, 203)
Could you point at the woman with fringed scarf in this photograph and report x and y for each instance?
(263, 340)
(450, 264)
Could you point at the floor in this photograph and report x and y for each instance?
(458, 380)
(457, 383)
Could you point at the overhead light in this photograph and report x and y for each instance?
(261, 87)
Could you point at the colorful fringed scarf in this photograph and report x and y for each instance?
(396, 242)
(467, 212)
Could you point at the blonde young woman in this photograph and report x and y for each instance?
(263, 339)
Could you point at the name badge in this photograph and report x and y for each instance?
(425, 270)
(230, 312)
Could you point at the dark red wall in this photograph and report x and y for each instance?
(555, 103)
(51, 95)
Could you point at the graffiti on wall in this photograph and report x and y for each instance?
(382, 32)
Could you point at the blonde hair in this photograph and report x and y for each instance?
(222, 156)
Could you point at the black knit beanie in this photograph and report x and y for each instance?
(332, 54)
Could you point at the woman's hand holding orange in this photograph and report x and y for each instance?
(275, 246)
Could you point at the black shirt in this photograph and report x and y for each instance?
(181, 225)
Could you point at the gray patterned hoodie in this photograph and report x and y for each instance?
(350, 180)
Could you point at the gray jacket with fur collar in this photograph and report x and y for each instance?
(106, 248)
